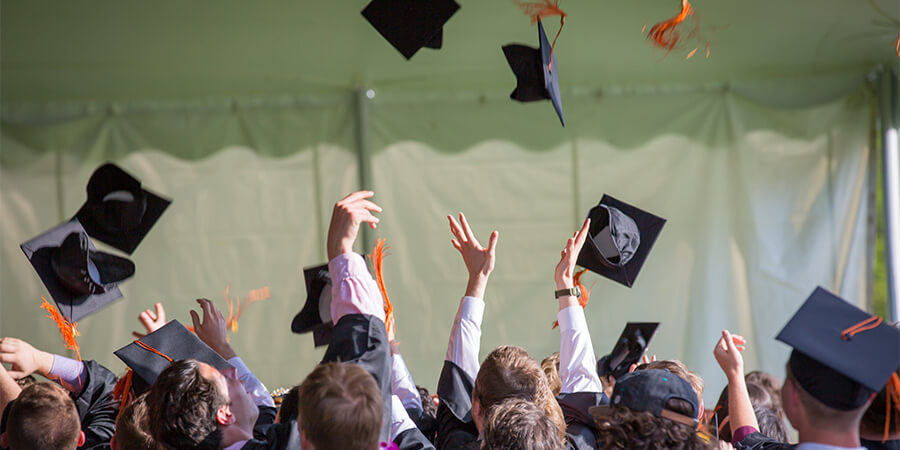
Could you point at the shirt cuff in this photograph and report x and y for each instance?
(742, 433)
(400, 420)
(353, 291)
(69, 373)
(571, 318)
(471, 309)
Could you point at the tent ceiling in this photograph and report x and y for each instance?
(113, 50)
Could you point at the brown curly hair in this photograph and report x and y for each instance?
(625, 429)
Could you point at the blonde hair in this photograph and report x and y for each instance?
(550, 366)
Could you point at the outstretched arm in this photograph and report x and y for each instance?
(728, 355)
(576, 352)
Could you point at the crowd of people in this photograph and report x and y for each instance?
(192, 391)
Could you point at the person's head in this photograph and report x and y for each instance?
(878, 416)
(429, 407)
(678, 368)
(759, 397)
(769, 423)
(509, 372)
(772, 385)
(809, 411)
(132, 428)
(517, 424)
(195, 406)
(43, 416)
(288, 410)
(650, 409)
(340, 406)
(550, 366)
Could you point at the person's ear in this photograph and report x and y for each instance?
(476, 415)
(81, 438)
(224, 416)
(4, 441)
(113, 445)
(305, 444)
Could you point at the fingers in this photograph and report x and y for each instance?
(492, 242)
(456, 230)
(195, 319)
(160, 311)
(358, 195)
(456, 244)
(467, 230)
(581, 235)
(137, 335)
(207, 307)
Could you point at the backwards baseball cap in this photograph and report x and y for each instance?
(842, 355)
(118, 211)
(648, 391)
(80, 279)
(632, 344)
(410, 24)
(619, 240)
(537, 74)
(316, 313)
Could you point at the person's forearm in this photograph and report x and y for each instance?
(740, 410)
(476, 286)
(9, 389)
(252, 385)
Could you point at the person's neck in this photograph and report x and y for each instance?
(831, 435)
(233, 434)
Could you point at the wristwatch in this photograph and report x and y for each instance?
(574, 291)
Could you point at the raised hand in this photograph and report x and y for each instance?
(565, 269)
(24, 358)
(479, 261)
(212, 330)
(728, 354)
(151, 320)
(346, 218)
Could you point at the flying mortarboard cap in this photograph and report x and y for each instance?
(632, 344)
(410, 24)
(842, 355)
(537, 74)
(80, 279)
(118, 211)
(316, 313)
(153, 353)
(619, 240)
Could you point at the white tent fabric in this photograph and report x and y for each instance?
(763, 204)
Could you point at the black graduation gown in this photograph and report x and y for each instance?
(581, 433)
(877, 445)
(759, 441)
(455, 427)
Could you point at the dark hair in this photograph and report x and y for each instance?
(340, 407)
(288, 410)
(26, 381)
(517, 424)
(772, 385)
(769, 423)
(132, 427)
(874, 418)
(627, 429)
(758, 396)
(183, 405)
(43, 416)
(428, 407)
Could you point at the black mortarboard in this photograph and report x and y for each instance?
(153, 353)
(537, 74)
(80, 279)
(619, 240)
(410, 24)
(842, 355)
(632, 344)
(316, 313)
(118, 211)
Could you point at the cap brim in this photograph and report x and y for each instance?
(39, 251)
(649, 226)
(309, 319)
(550, 70)
(409, 25)
(124, 241)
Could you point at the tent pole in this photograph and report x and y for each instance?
(887, 89)
(363, 155)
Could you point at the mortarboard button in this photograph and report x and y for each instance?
(842, 355)
(537, 73)
(118, 211)
(80, 279)
(410, 24)
(153, 353)
(619, 240)
(316, 313)
(632, 344)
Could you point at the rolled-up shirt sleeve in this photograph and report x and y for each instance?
(252, 385)
(353, 291)
(577, 363)
(402, 384)
(465, 335)
(69, 373)
(400, 420)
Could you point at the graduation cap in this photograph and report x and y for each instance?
(80, 279)
(632, 344)
(537, 74)
(842, 355)
(648, 391)
(410, 24)
(619, 240)
(150, 355)
(316, 313)
(118, 211)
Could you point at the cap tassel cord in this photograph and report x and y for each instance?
(67, 329)
(664, 34)
(541, 9)
(151, 349)
(377, 256)
(122, 392)
(892, 391)
(865, 325)
(585, 293)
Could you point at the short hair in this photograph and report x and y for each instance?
(517, 424)
(509, 372)
(550, 366)
(761, 401)
(678, 368)
(26, 381)
(428, 406)
(132, 427)
(340, 406)
(820, 414)
(772, 385)
(621, 427)
(769, 423)
(183, 405)
(288, 410)
(43, 416)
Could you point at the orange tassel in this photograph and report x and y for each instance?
(892, 391)
(665, 34)
(234, 313)
(67, 329)
(122, 392)
(585, 293)
(538, 10)
(866, 325)
(378, 254)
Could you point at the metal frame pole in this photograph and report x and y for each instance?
(363, 155)
(887, 90)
